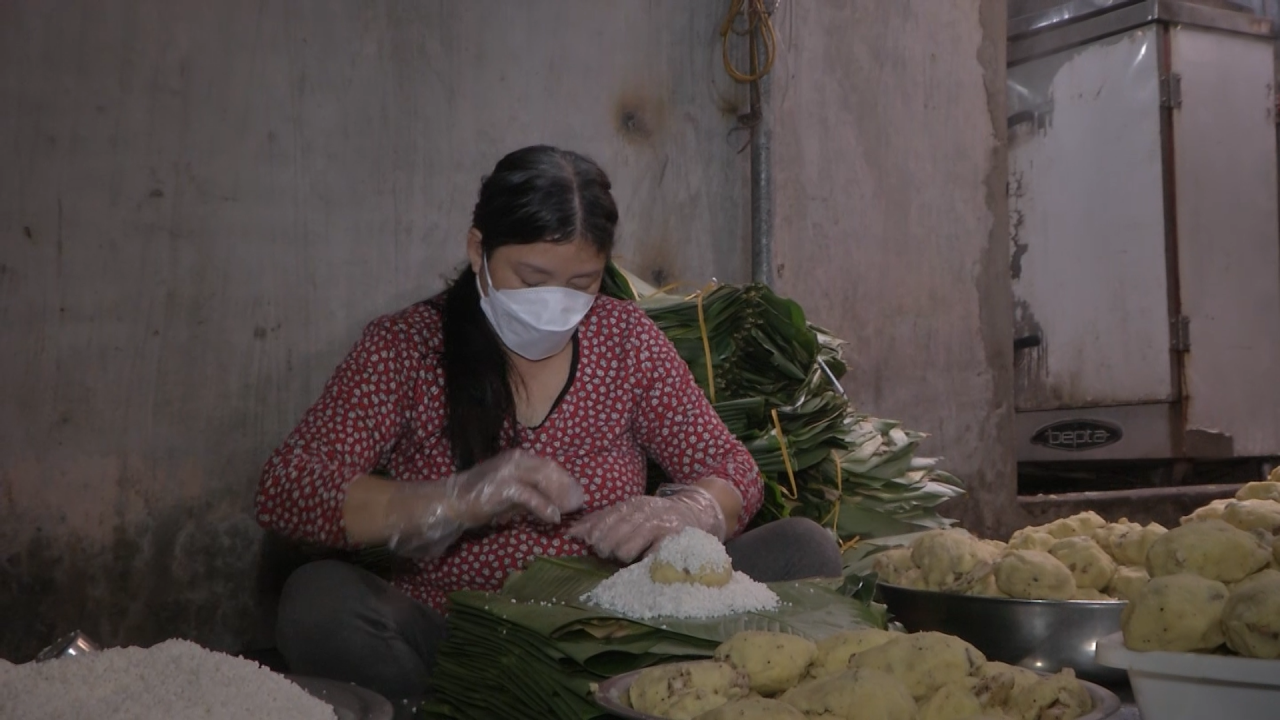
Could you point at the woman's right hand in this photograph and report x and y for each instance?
(513, 482)
(427, 517)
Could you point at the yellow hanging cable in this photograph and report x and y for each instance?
(706, 351)
(759, 30)
(786, 457)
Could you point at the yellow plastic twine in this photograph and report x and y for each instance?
(840, 487)
(705, 289)
(786, 457)
(706, 351)
(634, 293)
(834, 516)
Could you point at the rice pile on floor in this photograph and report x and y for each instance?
(174, 680)
(631, 592)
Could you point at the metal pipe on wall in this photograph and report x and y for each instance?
(762, 41)
(761, 186)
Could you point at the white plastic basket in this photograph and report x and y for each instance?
(1195, 686)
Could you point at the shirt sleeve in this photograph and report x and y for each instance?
(361, 413)
(678, 428)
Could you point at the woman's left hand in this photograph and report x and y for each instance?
(627, 530)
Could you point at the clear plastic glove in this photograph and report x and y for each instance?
(627, 530)
(425, 518)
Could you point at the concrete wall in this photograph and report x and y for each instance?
(202, 203)
(888, 140)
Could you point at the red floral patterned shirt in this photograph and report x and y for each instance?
(631, 395)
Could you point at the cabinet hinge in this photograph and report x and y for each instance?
(1180, 332)
(1171, 90)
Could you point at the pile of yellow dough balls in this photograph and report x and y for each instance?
(1214, 580)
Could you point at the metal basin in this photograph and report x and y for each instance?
(1041, 635)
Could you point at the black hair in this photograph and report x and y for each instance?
(535, 194)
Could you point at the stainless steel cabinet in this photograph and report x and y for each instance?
(1143, 219)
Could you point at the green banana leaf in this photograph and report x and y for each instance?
(534, 649)
(546, 598)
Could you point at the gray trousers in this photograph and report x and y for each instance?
(342, 622)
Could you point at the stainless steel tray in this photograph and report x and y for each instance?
(610, 693)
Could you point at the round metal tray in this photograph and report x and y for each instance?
(1041, 635)
(349, 702)
(611, 692)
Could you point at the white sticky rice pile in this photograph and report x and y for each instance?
(174, 680)
(631, 592)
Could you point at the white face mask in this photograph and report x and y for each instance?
(535, 323)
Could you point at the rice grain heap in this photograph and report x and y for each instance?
(639, 592)
(175, 679)
(691, 556)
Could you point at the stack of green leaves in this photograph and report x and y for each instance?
(773, 378)
(534, 650)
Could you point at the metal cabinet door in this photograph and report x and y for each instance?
(1228, 240)
(1086, 201)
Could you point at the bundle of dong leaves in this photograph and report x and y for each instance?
(773, 379)
(534, 650)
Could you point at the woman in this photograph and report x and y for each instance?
(509, 417)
